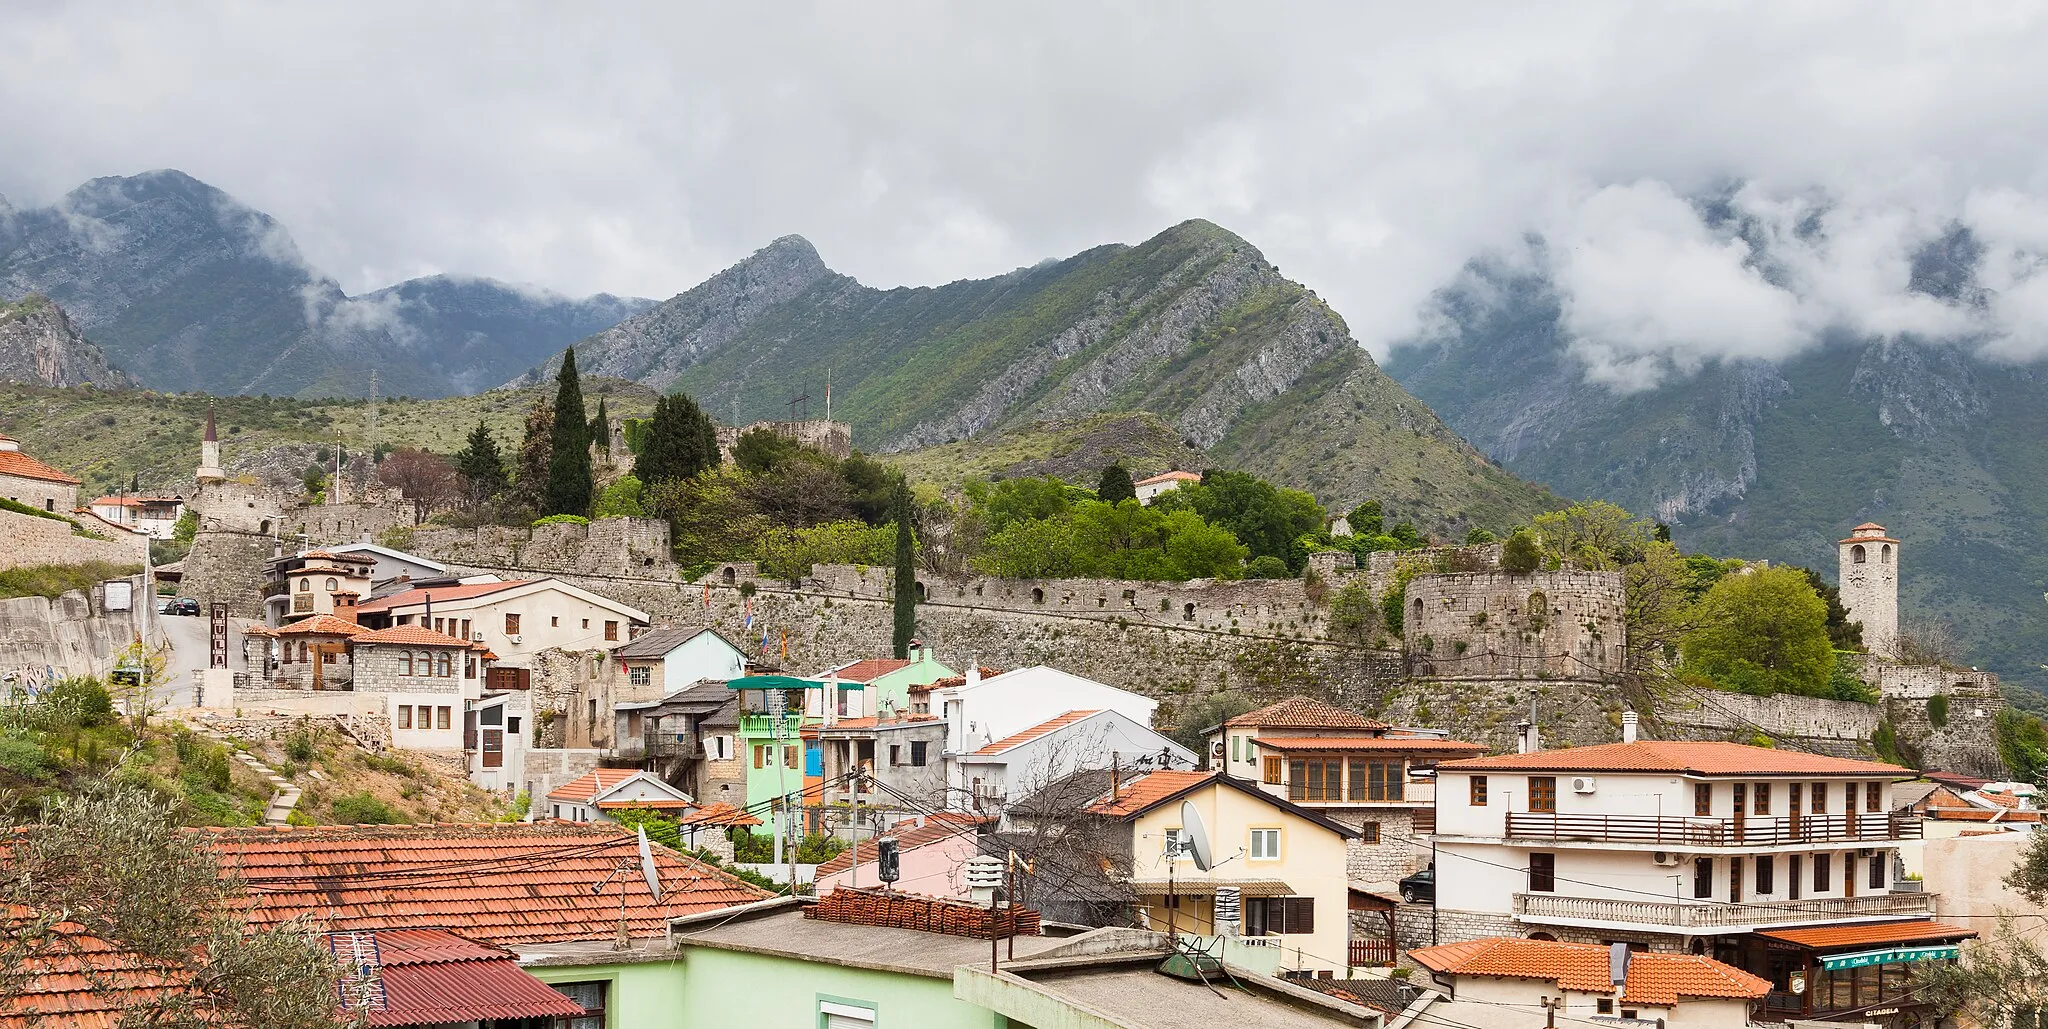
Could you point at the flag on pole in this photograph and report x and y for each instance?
(764, 639)
(750, 613)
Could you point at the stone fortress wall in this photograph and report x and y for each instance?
(834, 438)
(28, 540)
(1499, 625)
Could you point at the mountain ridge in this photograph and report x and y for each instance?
(40, 345)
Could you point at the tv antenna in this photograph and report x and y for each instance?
(800, 406)
(644, 860)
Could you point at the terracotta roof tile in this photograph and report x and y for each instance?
(1041, 729)
(598, 781)
(1666, 756)
(323, 625)
(1968, 814)
(1144, 792)
(79, 981)
(720, 813)
(1403, 744)
(1304, 713)
(412, 635)
(908, 836)
(16, 463)
(1169, 477)
(871, 669)
(417, 595)
(1830, 936)
(1653, 978)
(506, 884)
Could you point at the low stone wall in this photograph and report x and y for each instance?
(43, 639)
(26, 540)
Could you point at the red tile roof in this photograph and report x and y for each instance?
(1685, 758)
(14, 462)
(78, 981)
(1041, 729)
(871, 669)
(1827, 937)
(1169, 477)
(504, 883)
(908, 836)
(1661, 979)
(434, 977)
(323, 625)
(720, 813)
(1404, 744)
(598, 781)
(132, 501)
(1142, 793)
(412, 636)
(1304, 713)
(440, 594)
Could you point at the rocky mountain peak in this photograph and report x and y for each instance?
(38, 344)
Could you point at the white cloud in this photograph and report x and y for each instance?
(1370, 152)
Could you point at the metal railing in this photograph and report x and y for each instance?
(1710, 915)
(1713, 832)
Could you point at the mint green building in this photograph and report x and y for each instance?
(637, 987)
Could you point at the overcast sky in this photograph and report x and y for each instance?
(1369, 152)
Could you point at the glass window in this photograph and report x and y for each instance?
(441, 715)
(1543, 793)
(405, 663)
(305, 585)
(1873, 797)
(443, 665)
(1543, 873)
(589, 997)
(1762, 798)
(1478, 791)
(332, 585)
(1820, 798)
(1265, 844)
(1389, 779)
(1877, 861)
(1766, 876)
(1369, 834)
(1702, 878)
(917, 753)
(611, 630)
(1702, 799)
(640, 675)
(511, 624)
(405, 716)
(1822, 877)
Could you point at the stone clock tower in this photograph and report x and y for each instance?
(1870, 586)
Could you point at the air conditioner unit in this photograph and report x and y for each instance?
(1216, 750)
(476, 637)
(1584, 784)
(1865, 851)
(512, 637)
(1667, 859)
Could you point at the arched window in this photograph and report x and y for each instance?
(332, 585)
(405, 662)
(1538, 603)
(1884, 556)
(265, 527)
(1856, 553)
(920, 593)
(730, 575)
(1187, 612)
(1037, 595)
(1418, 607)
(1545, 937)
(305, 585)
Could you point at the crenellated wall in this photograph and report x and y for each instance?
(1499, 625)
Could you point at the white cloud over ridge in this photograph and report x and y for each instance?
(1371, 153)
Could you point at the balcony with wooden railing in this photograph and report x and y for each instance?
(1681, 833)
(665, 746)
(1710, 916)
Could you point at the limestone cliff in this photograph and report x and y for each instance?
(1193, 325)
(39, 345)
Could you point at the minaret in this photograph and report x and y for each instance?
(1870, 586)
(209, 454)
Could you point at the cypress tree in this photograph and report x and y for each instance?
(680, 442)
(536, 453)
(601, 428)
(568, 489)
(1116, 486)
(906, 573)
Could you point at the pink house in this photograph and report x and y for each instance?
(931, 857)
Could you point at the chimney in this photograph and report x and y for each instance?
(345, 607)
(1617, 966)
(973, 670)
(916, 650)
(1522, 729)
(1628, 726)
(828, 705)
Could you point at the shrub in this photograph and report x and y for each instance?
(23, 758)
(299, 745)
(1522, 553)
(81, 700)
(363, 809)
(1266, 566)
(56, 580)
(561, 519)
(1937, 710)
(751, 847)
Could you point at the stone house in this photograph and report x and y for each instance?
(25, 480)
(902, 754)
(674, 736)
(424, 677)
(313, 582)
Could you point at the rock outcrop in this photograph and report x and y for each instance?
(38, 344)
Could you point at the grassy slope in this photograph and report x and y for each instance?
(104, 437)
(1075, 450)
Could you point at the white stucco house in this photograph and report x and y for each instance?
(979, 710)
(1027, 761)
(1588, 982)
(516, 618)
(392, 565)
(660, 662)
(1149, 489)
(611, 789)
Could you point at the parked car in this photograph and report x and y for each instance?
(1420, 888)
(181, 606)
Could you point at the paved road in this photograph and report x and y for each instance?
(189, 639)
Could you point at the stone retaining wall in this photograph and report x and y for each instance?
(73, 634)
(27, 540)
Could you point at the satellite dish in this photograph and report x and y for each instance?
(647, 868)
(1196, 835)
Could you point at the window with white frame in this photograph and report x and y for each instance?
(639, 675)
(1265, 844)
(588, 996)
(840, 1015)
(1175, 843)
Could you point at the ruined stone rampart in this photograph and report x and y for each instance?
(834, 438)
(1499, 625)
(227, 565)
(28, 540)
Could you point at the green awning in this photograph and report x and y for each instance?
(784, 682)
(1889, 956)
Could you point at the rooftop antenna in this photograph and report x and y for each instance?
(800, 406)
(644, 860)
(828, 394)
(361, 984)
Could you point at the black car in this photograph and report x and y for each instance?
(1421, 887)
(181, 606)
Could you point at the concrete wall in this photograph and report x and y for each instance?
(27, 540)
(728, 988)
(73, 634)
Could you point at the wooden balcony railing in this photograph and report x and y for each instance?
(658, 745)
(1713, 832)
(1371, 953)
(1538, 907)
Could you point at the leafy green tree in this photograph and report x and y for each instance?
(1594, 535)
(1477, 536)
(1268, 520)
(481, 465)
(1266, 566)
(1394, 606)
(569, 482)
(621, 499)
(679, 442)
(601, 428)
(1116, 486)
(1198, 550)
(1353, 615)
(2000, 982)
(1763, 632)
(1014, 500)
(1368, 519)
(710, 518)
(763, 450)
(1657, 606)
(1843, 633)
(905, 623)
(1193, 720)
(870, 487)
(1522, 553)
(1036, 548)
(791, 553)
(2022, 744)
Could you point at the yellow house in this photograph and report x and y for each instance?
(1286, 862)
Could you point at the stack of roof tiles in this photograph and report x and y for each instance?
(502, 883)
(924, 914)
